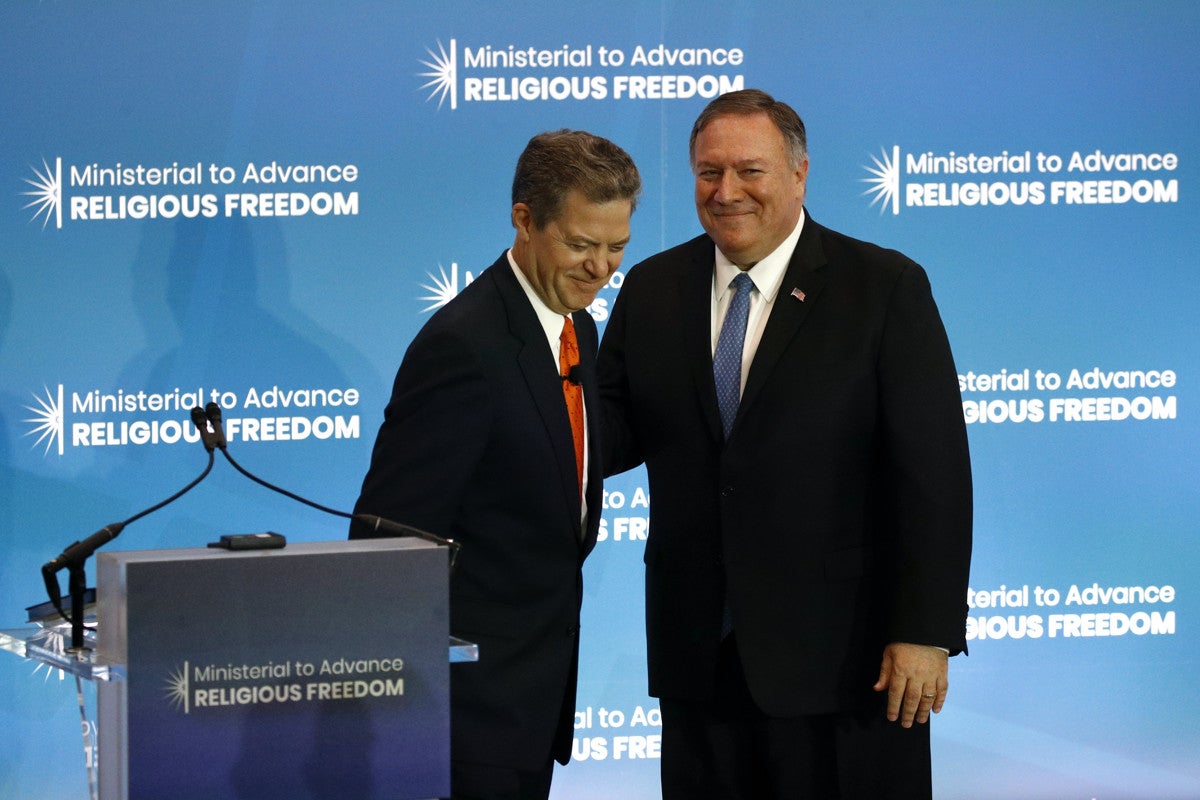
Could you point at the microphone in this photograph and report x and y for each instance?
(574, 375)
(75, 556)
(201, 423)
(377, 524)
(213, 413)
(76, 553)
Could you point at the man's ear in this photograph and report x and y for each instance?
(522, 220)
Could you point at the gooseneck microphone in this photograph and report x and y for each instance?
(212, 413)
(208, 423)
(77, 553)
(200, 420)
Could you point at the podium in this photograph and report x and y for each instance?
(319, 670)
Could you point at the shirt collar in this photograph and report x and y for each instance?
(551, 320)
(767, 274)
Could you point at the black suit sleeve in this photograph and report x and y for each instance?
(927, 470)
(620, 451)
(434, 432)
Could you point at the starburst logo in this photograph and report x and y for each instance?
(47, 421)
(443, 80)
(47, 193)
(885, 180)
(53, 641)
(177, 689)
(443, 288)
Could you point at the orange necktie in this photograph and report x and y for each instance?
(568, 357)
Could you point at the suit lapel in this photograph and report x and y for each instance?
(545, 386)
(585, 331)
(805, 273)
(696, 315)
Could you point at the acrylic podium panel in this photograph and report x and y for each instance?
(317, 670)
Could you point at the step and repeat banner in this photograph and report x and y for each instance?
(259, 204)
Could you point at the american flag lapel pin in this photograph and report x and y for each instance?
(799, 295)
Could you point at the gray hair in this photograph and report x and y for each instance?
(747, 102)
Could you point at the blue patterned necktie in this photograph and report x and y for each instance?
(727, 360)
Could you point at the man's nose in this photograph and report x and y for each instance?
(728, 188)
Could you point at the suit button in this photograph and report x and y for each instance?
(726, 491)
(572, 631)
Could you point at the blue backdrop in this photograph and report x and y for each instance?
(260, 203)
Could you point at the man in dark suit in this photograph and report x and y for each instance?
(810, 489)
(479, 445)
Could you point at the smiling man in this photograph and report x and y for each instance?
(491, 439)
(793, 396)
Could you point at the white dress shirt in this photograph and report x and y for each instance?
(767, 276)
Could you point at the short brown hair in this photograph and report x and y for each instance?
(746, 102)
(555, 162)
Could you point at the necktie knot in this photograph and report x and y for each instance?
(568, 348)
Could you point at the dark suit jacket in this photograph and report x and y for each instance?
(837, 516)
(476, 446)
